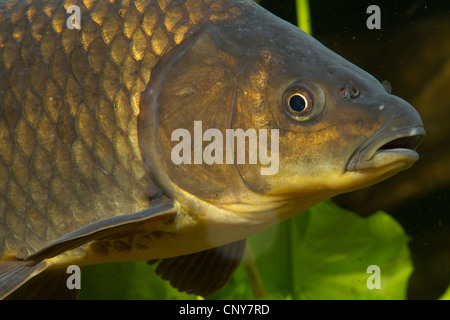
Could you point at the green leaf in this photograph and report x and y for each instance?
(446, 295)
(324, 253)
(126, 280)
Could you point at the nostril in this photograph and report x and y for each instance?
(343, 92)
(355, 92)
(347, 93)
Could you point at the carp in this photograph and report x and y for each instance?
(96, 120)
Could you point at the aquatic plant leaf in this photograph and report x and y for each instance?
(324, 253)
(126, 280)
(446, 295)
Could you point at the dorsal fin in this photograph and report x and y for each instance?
(205, 272)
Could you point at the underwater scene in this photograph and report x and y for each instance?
(225, 150)
(400, 226)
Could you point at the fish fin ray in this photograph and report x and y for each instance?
(103, 229)
(48, 285)
(202, 273)
(14, 274)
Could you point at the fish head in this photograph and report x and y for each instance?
(339, 128)
(323, 126)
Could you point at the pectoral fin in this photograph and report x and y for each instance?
(48, 285)
(15, 273)
(205, 272)
(107, 228)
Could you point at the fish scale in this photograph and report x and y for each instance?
(69, 156)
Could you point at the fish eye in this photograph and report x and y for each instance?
(298, 102)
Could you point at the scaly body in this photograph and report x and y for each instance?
(69, 154)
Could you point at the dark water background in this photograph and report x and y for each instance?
(412, 52)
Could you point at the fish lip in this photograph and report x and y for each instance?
(402, 142)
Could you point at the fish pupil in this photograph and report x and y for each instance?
(297, 103)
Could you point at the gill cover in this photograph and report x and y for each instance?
(197, 81)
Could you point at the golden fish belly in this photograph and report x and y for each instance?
(185, 234)
(69, 102)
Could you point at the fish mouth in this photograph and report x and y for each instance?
(387, 148)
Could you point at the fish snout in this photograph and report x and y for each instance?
(396, 141)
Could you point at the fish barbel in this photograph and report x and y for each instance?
(96, 121)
